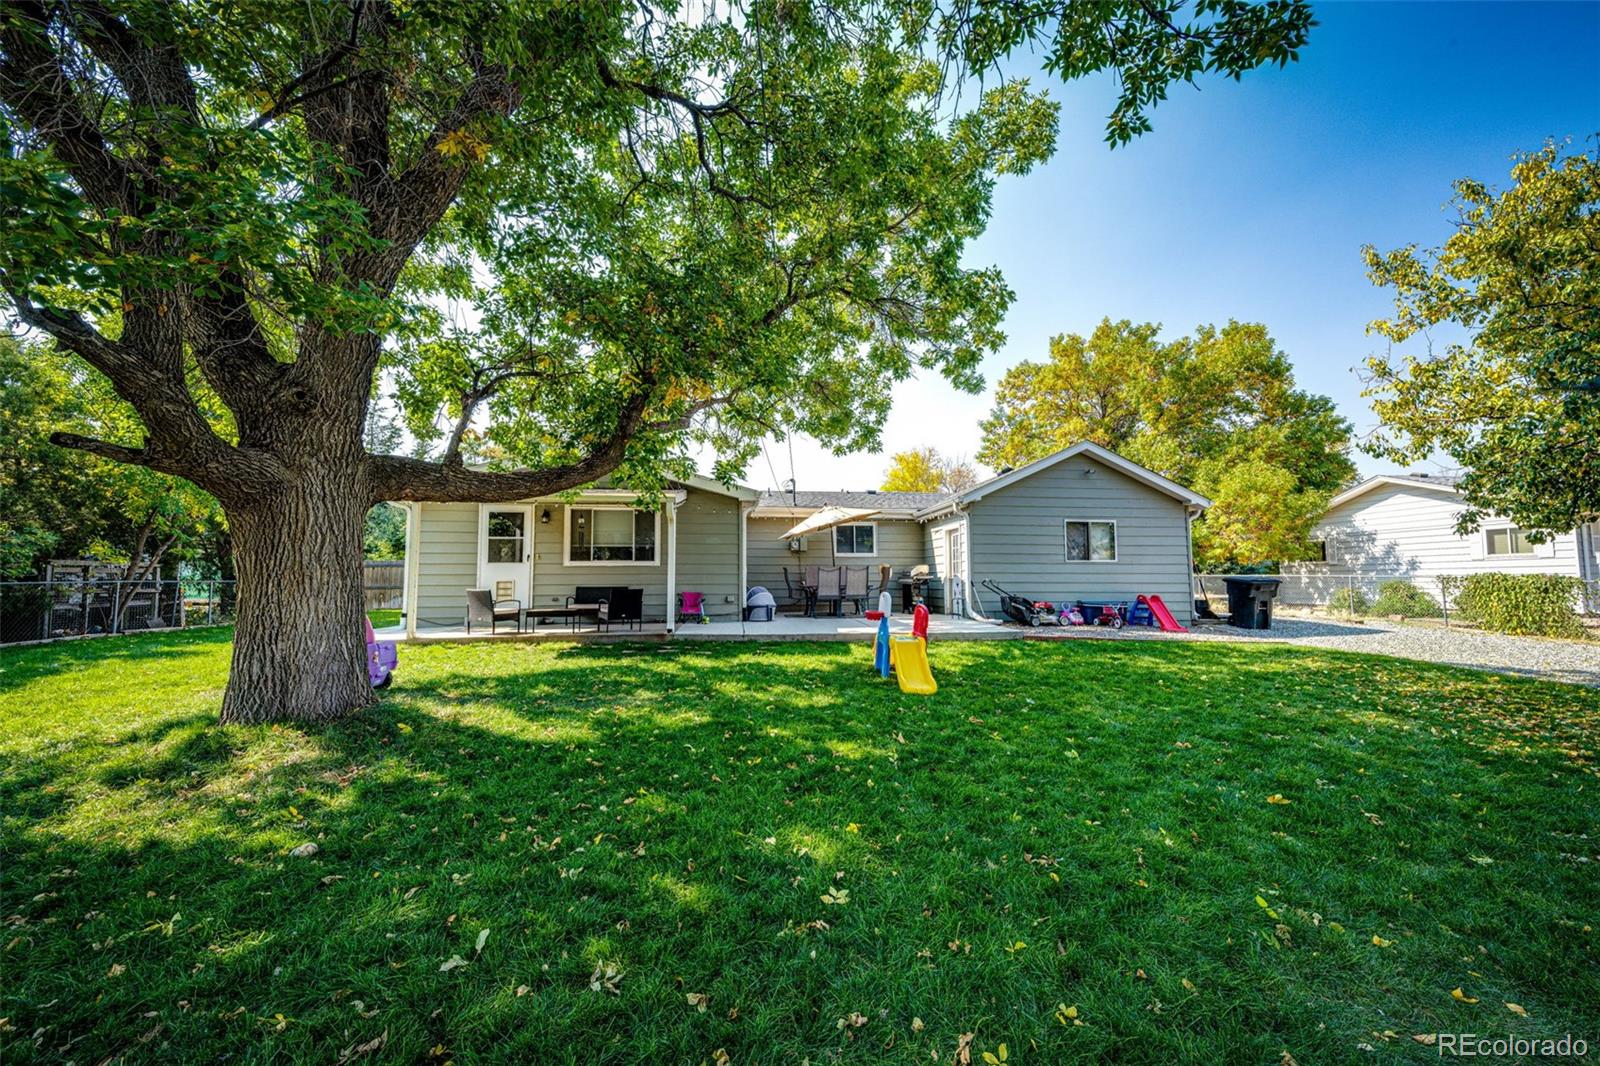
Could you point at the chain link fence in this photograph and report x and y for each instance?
(1355, 595)
(50, 610)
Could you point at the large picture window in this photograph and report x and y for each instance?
(1091, 541)
(611, 535)
(858, 538)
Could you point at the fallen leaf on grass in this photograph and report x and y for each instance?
(997, 1057)
(483, 938)
(916, 1025)
(852, 828)
(522, 990)
(698, 1000)
(1379, 942)
(1068, 1015)
(606, 977)
(836, 897)
(1277, 799)
(451, 963)
(357, 1050)
(1428, 1039)
(964, 1049)
(1517, 1009)
(1461, 997)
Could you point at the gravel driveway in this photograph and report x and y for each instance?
(1575, 662)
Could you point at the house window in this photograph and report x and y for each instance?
(1091, 542)
(506, 544)
(858, 538)
(611, 535)
(1507, 541)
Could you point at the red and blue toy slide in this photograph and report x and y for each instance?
(1163, 617)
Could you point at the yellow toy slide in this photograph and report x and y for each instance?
(910, 657)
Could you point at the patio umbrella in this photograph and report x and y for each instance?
(826, 519)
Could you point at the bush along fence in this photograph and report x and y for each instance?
(1528, 604)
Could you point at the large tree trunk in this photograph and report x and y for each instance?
(299, 649)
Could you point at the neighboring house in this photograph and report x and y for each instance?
(1083, 523)
(1403, 526)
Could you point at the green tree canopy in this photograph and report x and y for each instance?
(1217, 411)
(581, 238)
(925, 470)
(1518, 402)
(58, 503)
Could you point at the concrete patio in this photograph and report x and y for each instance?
(783, 627)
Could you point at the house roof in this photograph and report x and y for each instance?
(1436, 482)
(923, 505)
(871, 500)
(1087, 448)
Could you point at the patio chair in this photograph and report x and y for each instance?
(484, 610)
(799, 597)
(830, 588)
(692, 607)
(856, 587)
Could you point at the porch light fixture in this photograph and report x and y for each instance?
(544, 517)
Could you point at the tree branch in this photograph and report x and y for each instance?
(34, 86)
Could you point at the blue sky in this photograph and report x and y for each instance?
(1252, 199)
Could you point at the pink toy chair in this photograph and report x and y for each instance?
(692, 607)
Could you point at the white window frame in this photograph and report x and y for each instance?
(566, 536)
(1508, 528)
(834, 533)
(1116, 540)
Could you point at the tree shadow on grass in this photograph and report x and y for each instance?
(680, 814)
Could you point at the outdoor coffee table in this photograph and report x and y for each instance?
(572, 612)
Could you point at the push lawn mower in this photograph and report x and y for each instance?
(1022, 610)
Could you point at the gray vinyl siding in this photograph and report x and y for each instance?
(1017, 538)
(447, 561)
(553, 581)
(939, 568)
(708, 552)
(900, 543)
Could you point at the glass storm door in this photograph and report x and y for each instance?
(504, 551)
(955, 600)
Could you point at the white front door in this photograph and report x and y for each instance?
(955, 596)
(504, 533)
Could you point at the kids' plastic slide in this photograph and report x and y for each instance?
(1162, 616)
(911, 667)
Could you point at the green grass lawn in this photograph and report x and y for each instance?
(550, 853)
(381, 618)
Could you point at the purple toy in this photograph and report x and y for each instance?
(381, 659)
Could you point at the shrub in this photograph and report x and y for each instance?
(1537, 604)
(1406, 600)
(1348, 601)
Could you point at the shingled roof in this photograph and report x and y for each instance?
(871, 501)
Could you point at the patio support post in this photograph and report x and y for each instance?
(408, 593)
(672, 565)
(744, 577)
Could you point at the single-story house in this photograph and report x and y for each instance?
(1082, 523)
(1404, 526)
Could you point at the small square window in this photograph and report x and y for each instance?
(1091, 541)
(1507, 541)
(859, 538)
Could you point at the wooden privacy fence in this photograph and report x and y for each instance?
(383, 581)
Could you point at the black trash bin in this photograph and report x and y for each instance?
(1250, 601)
